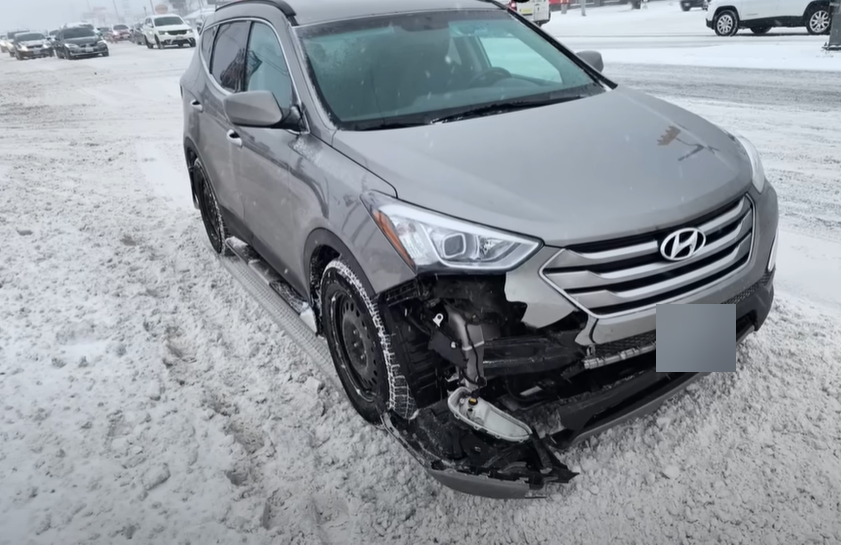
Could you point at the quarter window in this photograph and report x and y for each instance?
(206, 42)
(228, 63)
(267, 70)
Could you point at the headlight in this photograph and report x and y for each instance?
(101, 42)
(430, 241)
(23, 48)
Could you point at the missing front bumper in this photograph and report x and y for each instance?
(468, 461)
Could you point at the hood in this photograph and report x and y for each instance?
(32, 43)
(169, 28)
(613, 165)
(84, 40)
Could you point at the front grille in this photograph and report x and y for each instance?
(177, 32)
(620, 276)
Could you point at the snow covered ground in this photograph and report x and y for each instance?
(146, 398)
(663, 34)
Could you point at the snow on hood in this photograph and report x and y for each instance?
(634, 162)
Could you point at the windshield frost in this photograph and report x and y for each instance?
(389, 68)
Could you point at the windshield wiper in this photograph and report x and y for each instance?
(506, 106)
(383, 125)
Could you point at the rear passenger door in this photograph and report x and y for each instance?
(218, 146)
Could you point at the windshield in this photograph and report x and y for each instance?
(80, 32)
(28, 37)
(167, 21)
(53, 32)
(418, 68)
(120, 27)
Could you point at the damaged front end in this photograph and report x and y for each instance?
(497, 399)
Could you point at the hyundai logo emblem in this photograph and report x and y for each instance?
(683, 244)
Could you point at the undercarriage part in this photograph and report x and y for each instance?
(482, 416)
(474, 463)
(273, 280)
(472, 344)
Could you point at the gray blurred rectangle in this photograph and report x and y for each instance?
(696, 338)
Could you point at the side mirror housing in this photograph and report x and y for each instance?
(260, 109)
(593, 58)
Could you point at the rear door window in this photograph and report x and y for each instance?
(228, 60)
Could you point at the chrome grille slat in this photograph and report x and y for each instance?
(604, 298)
(630, 274)
(570, 258)
(587, 279)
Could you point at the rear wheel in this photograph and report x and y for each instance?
(726, 23)
(360, 346)
(685, 7)
(818, 20)
(211, 215)
(760, 30)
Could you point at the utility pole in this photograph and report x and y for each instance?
(584, 8)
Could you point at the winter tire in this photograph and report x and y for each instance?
(149, 45)
(361, 347)
(726, 23)
(818, 20)
(211, 215)
(158, 43)
(685, 7)
(760, 30)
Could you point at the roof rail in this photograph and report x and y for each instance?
(284, 7)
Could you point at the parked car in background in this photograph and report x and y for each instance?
(727, 17)
(137, 34)
(5, 44)
(339, 151)
(8, 45)
(538, 12)
(167, 30)
(118, 33)
(77, 42)
(687, 5)
(51, 35)
(31, 45)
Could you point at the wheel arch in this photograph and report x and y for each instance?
(816, 4)
(190, 156)
(728, 7)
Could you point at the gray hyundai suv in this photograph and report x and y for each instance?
(479, 223)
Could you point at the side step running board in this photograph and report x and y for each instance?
(273, 280)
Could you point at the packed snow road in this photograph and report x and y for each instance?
(146, 397)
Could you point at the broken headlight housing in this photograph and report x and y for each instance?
(432, 242)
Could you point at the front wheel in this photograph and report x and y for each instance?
(158, 43)
(360, 346)
(726, 23)
(685, 7)
(192, 43)
(759, 31)
(818, 20)
(148, 44)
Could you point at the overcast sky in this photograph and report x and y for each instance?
(49, 14)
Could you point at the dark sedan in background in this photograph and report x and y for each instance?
(75, 42)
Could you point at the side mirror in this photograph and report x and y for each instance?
(259, 109)
(593, 58)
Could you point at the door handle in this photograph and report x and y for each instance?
(234, 139)
(196, 105)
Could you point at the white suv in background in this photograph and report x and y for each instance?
(167, 30)
(726, 17)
